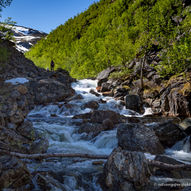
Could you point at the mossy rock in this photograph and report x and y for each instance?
(186, 90)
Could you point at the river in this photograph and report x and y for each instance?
(57, 124)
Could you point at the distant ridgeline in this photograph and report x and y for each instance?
(114, 32)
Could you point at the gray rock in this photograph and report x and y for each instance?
(168, 133)
(186, 125)
(91, 104)
(133, 102)
(125, 169)
(136, 137)
(103, 76)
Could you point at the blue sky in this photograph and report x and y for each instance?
(44, 15)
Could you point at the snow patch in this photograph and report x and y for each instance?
(15, 81)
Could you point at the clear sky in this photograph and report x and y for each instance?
(44, 15)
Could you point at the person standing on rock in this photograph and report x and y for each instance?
(52, 65)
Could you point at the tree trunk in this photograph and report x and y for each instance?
(49, 155)
(152, 163)
(141, 73)
(166, 166)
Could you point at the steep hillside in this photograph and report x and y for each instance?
(114, 32)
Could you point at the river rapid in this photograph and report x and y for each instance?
(56, 122)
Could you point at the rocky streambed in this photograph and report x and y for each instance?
(94, 124)
(49, 112)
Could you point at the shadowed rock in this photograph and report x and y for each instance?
(136, 137)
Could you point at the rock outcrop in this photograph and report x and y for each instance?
(23, 86)
(170, 97)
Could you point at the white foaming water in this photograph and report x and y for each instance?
(181, 151)
(148, 111)
(57, 123)
(62, 134)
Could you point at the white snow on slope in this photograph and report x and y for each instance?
(24, 37)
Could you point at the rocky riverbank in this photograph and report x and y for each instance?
(167, 97)
(23, 86)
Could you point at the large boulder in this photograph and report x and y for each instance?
(103, 76)
(48, 90)
(133, 102)
(125, 170)
(168, 133)
(136, 137)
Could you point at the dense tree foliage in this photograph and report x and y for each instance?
(113, 32)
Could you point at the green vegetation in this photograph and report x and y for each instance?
(3, 54)
(113, 32)
(4, 33)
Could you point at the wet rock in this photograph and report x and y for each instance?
(185, 125)
(125, 170)
(136, 137)
(14, 174)
(75, 97)
(94, 93)
(105, 87)
(91, 104)
(108, 124)
(133, 102)
(177, 174)
(100, 115)
(93, 129)
(120, 91)
(168, 133)
(103, 76)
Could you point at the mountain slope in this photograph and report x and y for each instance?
(115, 32)
(25, 37)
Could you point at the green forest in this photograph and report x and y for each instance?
(114, 32)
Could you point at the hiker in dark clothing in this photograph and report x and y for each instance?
(52, 65)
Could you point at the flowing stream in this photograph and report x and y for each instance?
(57, 123)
